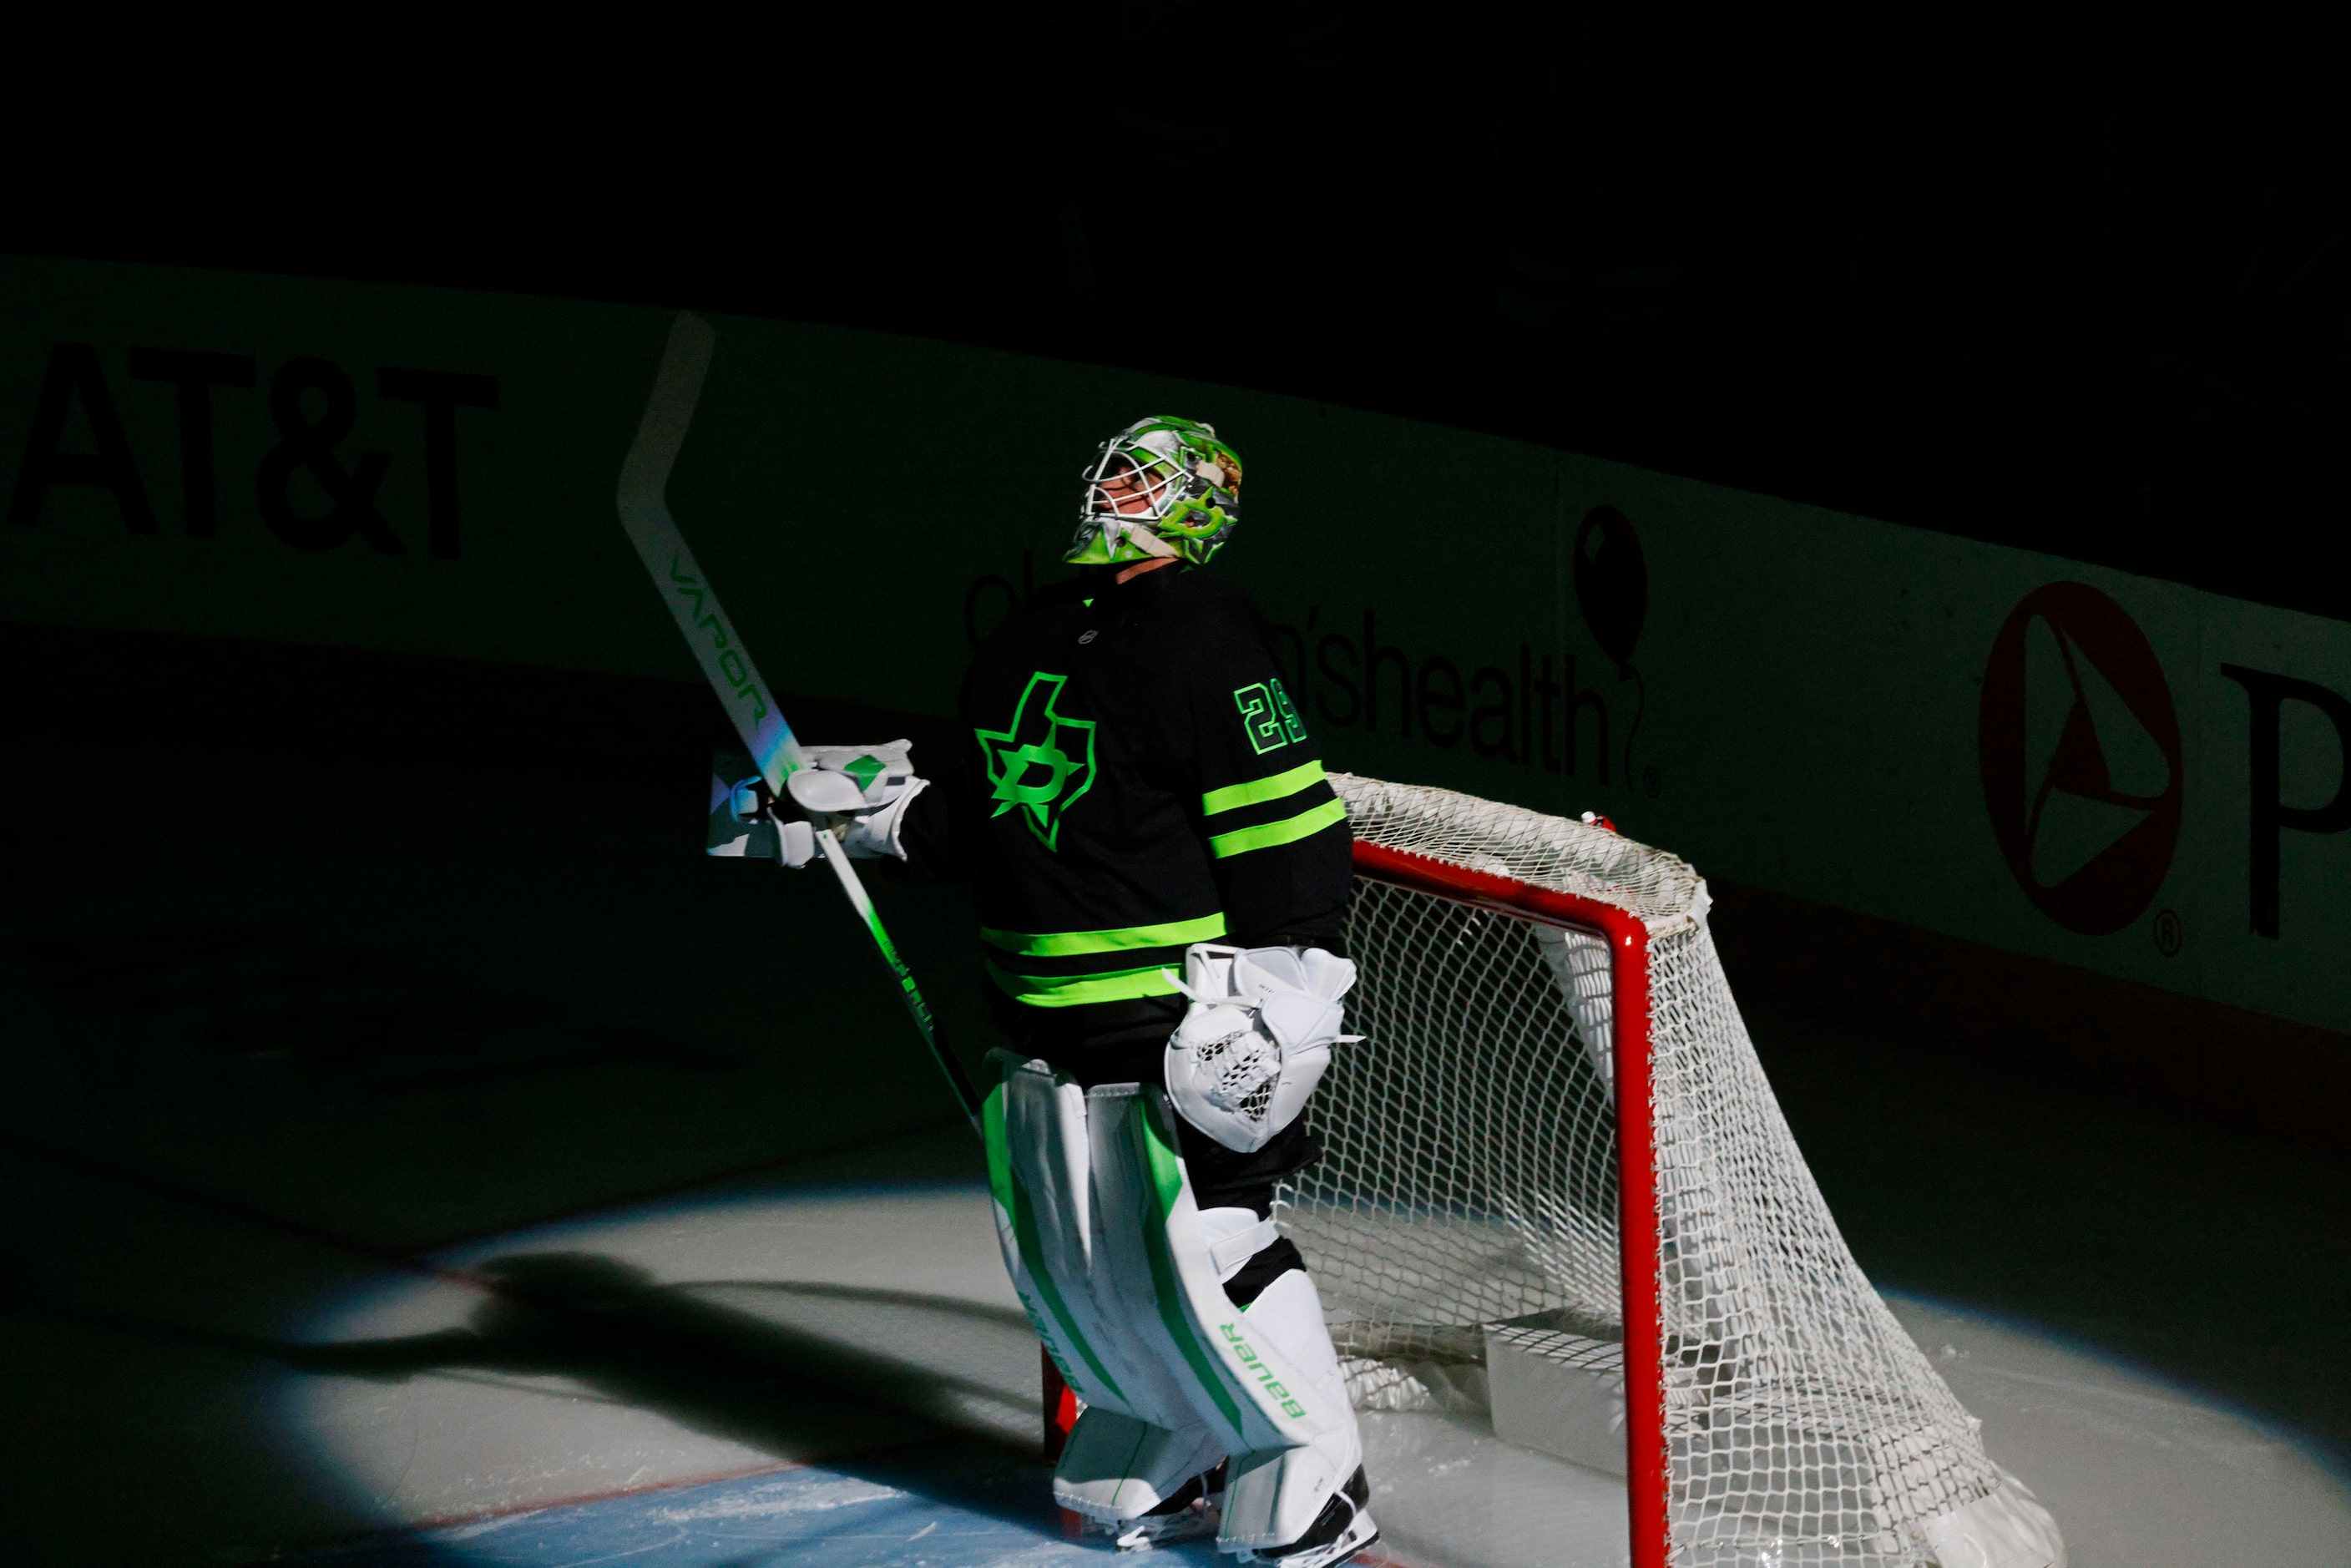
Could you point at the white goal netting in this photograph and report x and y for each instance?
(1471, 1182)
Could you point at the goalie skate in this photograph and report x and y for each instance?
(1191, 1514)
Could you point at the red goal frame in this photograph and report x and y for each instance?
(1646, 1489)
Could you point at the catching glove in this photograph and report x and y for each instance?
(1256, 1039)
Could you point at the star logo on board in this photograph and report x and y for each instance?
(1041, 762)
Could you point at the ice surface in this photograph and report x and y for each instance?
(901, 1288)
(2138, 1471)
(686, 1355)
(1446, 1492)
(742, 1331)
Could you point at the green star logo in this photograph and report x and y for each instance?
(1040, 762)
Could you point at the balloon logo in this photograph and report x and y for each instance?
(1611, 588)
(1612, 583)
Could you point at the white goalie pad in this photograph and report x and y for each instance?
(1116, 1469)
(1138, 1441)
(1256, 1040)
(1265, 1378)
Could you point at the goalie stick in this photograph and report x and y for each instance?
(774, 750)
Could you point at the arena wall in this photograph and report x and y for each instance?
(1937, 752)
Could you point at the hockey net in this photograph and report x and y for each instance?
(1478, 1175)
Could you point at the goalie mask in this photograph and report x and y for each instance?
(1161, 487)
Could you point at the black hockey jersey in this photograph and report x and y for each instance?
(1137, 781)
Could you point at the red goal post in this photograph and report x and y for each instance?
(1627, 935)
(1556, 1138)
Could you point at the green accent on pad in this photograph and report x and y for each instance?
(1005, 1185)
(1290, 830)
(992, 1133)
(864, 770)
(1076, 990)
(1062, 748)
(1126, 1470)
(1232, 797)
(1166, 1183)
(1073, 944)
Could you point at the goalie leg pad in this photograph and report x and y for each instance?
(1265, 1380)
(1118, 1469)
(1298, 1506)
(1138, 1441)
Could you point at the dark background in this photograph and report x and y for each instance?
(2076, 278)
(2076, 281)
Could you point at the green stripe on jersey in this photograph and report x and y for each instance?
(1233, 796)
(1076, 990)
(1073, 944)
(1288, 830)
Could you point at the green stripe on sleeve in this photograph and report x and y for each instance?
(1073, 944)
(1076, 990)
(1233, 796)
(1288, 830)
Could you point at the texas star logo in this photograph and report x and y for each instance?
(1040, 762)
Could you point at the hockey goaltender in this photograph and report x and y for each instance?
(1143, 800)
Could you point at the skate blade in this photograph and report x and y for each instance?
(1194, 1523)
(1360, 1533)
